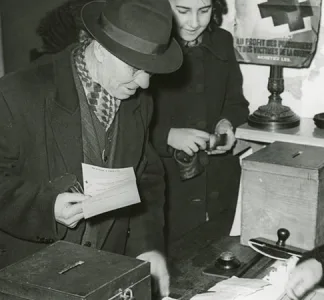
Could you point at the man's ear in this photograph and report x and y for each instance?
(99, 51)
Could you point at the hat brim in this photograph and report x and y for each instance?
(167, 62)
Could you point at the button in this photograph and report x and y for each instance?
(128, 232)
(2, 249)
(196, 200)
(87, 244)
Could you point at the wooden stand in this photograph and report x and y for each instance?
(274, 115)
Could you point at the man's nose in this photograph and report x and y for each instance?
(143, 80)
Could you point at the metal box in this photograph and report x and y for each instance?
(66, 271)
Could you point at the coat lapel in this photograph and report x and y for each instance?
(63, 113)
(130, 139)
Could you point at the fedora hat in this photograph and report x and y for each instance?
(138, 32)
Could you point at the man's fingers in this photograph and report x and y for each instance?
(76, 197)
(75, 220)
(75, 209)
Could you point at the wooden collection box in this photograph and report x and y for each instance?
(282, 187)
(97, 275)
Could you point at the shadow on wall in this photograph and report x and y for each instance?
(19, 21)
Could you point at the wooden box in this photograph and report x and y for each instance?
(47, 274)
(282, 187)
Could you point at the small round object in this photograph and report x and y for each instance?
(227, 261)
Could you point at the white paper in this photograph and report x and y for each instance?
(109, 189)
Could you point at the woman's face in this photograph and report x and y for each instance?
(192, 17)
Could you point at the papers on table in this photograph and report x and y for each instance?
(270, 287)
(109, 189)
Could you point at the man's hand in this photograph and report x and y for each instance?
(159, 270)
(223, 126)
(68, 208)
(303, 278)
(188, 140)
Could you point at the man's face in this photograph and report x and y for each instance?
(120, 79)
(191, 16)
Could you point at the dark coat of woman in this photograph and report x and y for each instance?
(206, 89)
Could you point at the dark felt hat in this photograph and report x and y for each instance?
(136, 31)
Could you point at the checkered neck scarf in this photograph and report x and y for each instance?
(100, 101)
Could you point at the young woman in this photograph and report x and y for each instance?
(204, 97)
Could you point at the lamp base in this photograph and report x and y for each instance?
(273, 116)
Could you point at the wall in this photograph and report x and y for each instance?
(304, 88)
(20, 19)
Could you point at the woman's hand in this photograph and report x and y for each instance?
(188, 140)
(223, 126)
(303, 278)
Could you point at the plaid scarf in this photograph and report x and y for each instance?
(100, 101)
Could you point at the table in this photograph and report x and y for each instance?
(197, 250)
(306, 133)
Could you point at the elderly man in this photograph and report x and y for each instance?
(86, 105)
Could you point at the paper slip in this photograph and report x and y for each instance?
(109, 189)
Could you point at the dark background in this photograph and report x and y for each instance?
(19, 21)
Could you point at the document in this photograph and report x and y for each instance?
(233, 288)
(109, 189)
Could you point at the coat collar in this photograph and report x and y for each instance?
(210, 41)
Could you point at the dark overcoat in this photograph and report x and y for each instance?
(206, 89)
(41, 152)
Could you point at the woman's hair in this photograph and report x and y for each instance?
(61, 26)
(219, 9)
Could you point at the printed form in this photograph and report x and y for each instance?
(109, 189)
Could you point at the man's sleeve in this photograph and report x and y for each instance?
(26, 206)
(147, 222)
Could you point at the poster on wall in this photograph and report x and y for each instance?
(277, 32)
